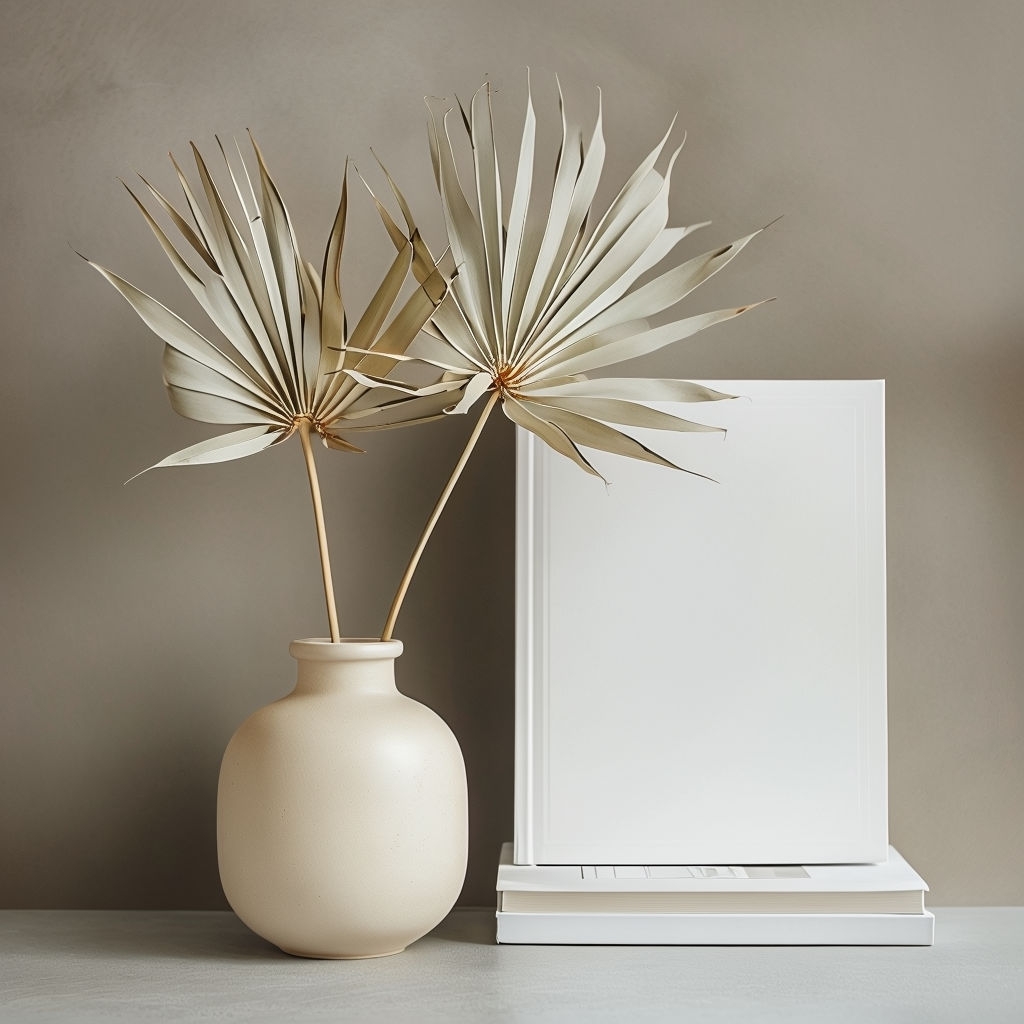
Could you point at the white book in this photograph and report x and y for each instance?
(700, 668)
(813, 904)
(891, 886)
(717, 929)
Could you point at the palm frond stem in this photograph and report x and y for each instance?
(403, 586)
(303, 428)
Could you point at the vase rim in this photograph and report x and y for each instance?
(359, 648)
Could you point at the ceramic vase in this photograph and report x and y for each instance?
(342, 810)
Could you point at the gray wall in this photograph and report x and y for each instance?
(142, 623)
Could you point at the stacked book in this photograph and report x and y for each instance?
(813, 904)
(701, 680)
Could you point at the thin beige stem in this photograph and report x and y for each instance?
(396, 605)
(321, 532)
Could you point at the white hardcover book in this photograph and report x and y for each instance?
(701, 666)
(813, 904)
(891, 886)
(717, 929)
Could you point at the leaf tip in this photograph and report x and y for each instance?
(753, 305)
(136, 476)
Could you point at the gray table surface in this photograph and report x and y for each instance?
(140, 966)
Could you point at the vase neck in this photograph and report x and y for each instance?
(350, 666)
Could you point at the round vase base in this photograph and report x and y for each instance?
(340, 956)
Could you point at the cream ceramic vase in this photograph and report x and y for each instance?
(341, 810)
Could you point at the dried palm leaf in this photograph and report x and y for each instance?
(541, 296)
(286, 361)
(283, 330)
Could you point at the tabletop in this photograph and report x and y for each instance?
(142, 966)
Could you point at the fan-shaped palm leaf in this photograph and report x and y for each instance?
(543, 296)
(284, 335)
(279, 364)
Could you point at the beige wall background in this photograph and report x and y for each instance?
(142, 623)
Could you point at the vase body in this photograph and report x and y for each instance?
(341, 810)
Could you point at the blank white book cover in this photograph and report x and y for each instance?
(701, 665)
